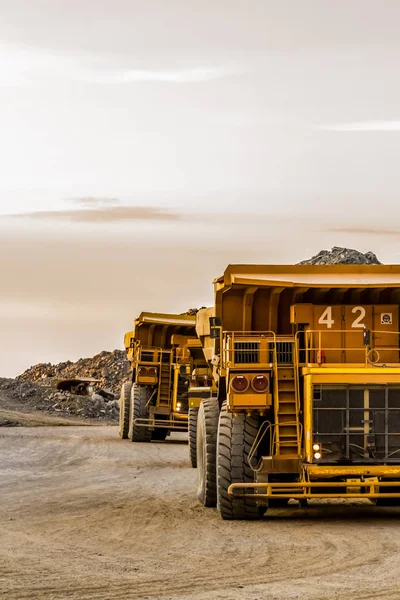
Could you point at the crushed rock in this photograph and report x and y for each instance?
(342, 256)
(111, 368)
(36, 387)
(46, 398)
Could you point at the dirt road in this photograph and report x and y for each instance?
(87, 516)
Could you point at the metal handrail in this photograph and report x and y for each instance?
(310, 344)
(149, 349)
(230, 337)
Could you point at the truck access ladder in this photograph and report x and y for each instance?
(164, 389)
(286, 392)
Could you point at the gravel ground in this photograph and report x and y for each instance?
(85, 515)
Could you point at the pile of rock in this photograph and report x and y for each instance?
(36, 387)
(342, 256)
(45, 398)
(111, 368)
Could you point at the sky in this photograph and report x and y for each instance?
(146, 145)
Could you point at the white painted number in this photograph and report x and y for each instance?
(357, 322)
(326, 318)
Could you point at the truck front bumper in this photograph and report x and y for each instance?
(351, 488)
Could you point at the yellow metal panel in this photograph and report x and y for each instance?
(356, 317)
(178, 416)
(249, 400)
(248, 308)
(379, 377)
(302, 313)
(175, 382)
(165, 319)
(369, 488)
(329, 276)
(146, 380)
(203, 331)
(386, 322)
(365, 371)
(308, 411)
(327, 472)
(194, 402)
(155, 329)
(329, 320)
(127, 339)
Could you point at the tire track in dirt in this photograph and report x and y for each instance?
(85, 515)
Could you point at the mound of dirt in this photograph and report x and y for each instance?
(111, 368)
(22, 395)
(35, 389)
(342, 256)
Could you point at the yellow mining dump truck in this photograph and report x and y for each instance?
(201, 386)
(156, 400)
(306, 360)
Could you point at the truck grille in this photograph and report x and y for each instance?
(247, 352)
(357, 424)
(284, 352)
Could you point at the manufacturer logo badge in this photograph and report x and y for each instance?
(386, 318)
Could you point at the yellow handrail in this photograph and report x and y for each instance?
(230, 338)
(319, 346)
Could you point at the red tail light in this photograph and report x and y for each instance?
(260, 383)
(240, 384)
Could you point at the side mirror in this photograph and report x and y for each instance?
(215, 327)
(215, 321)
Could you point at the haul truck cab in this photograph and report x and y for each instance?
(307, 366)
(156, 401)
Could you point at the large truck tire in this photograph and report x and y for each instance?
(140, 395)
(124, 409)
(236, 435)
(206, 451)
(192, 429)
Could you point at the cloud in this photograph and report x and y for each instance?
(363, 126)
(364, 230)
(101, 214)
(90, 201)
(21, 66)
(192, 75)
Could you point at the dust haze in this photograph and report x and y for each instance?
(72, 290)
(99, 214)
